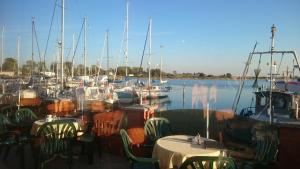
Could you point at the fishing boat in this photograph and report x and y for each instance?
(283, 90)
(276, 105)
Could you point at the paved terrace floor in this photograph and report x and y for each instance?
(107, 161)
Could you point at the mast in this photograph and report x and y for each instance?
(32, 52)
(18, 55)
(2, 48)
(84, 47)
(62, 44)
(126, 47)
(149, 60)
(160, 72)
(107, 50)
(73, 51)
(273, 29)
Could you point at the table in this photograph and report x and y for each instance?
(172, 151)
(78, 123)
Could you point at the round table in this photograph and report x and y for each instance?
(172, 151)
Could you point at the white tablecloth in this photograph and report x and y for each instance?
(171, 151)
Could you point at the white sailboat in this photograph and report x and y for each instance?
(152, 91)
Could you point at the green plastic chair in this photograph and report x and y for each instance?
(266, 152)
(24, 115)
(136, 162)
(8, 139)
(156, 128)
(56, 137)
(207, 162)
(8, 110)
(23, 120)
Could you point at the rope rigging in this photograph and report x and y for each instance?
(49, 34)
(257, 72)
(37, 43)
(144, 48)
(77, 41)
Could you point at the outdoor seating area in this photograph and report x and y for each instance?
(162, 140)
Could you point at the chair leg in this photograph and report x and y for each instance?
(98, 141)
(6, 152)
(22, 156)
(90, 152)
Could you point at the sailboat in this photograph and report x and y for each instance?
(152, 91)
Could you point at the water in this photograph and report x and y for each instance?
(195, 94)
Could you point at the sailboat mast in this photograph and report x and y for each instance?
(149, 61)
(2, 48)
(73, 51)
(107, 50)
(126, 48)
(160, 75)
(84, 47)
(18, 55)
(62, 44)
(273, 29)
(32, 52)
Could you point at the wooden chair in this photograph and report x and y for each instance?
(136, 162)
(106, 125)
(207, 162)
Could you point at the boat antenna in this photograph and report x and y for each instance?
(273, 30)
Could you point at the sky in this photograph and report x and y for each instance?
(209, 36)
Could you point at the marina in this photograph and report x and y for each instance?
(87, 104)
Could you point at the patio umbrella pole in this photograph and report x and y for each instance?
(207, 121)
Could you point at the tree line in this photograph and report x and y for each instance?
(32, 67)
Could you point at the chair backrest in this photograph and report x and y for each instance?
(267, 148)
(126, 141)
(207, 162)
(3, 128)
(56, 136)
(156, 128)
(25, 114)
(106, 124)
(8, 110)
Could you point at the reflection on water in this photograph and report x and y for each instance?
(195, 94)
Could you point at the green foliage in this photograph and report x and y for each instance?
(9, 64)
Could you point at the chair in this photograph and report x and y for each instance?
(207, 162)
(55, 137)
(107, 126)
(22, 122)
(266, 152)
(8, 110)
(136, 162)
(87, 138)
(156, 128)
(8, 139)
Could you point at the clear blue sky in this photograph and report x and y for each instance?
(211, 36)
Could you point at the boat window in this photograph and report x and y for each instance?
(263, 101)
(279, 102)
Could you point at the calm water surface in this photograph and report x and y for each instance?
(195, 94)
